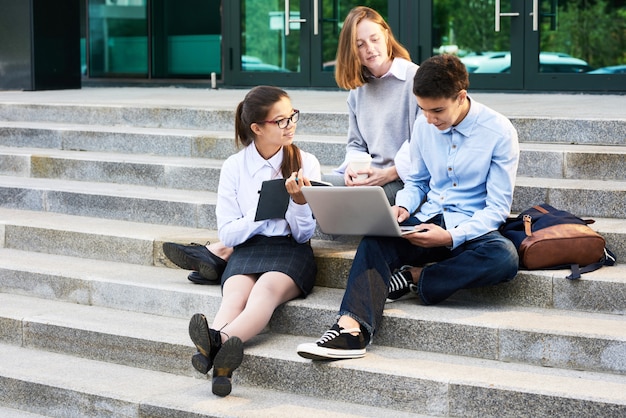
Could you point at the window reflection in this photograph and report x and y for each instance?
(576, 36)
(118, 37)
(592, 32)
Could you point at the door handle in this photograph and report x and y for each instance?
(499, 14)
(288, 18)
(535, 15)
(316, 17)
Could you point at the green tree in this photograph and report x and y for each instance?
(592, 30)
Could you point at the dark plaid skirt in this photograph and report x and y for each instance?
(261, 254)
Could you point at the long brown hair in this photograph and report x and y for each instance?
(349, 73)
(255, 107)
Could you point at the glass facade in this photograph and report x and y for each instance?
(506, 44)
(576, 36)
(154, 38)
(118, 38)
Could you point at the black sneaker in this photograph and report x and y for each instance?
(196, 257)
(336, 343)
(401, 283)
(196, 278)
(228, 358)
(207, 341)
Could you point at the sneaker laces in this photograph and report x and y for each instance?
(399, 282)
(334, 332)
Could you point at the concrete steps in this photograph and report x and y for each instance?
(93, 317)
(73, 386)
(566, 339)
(141, 243)
(196, 208)
(550, 161)
(126, 358)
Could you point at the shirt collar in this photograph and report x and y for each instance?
(397, 69)
(469, 121)
(255, 161)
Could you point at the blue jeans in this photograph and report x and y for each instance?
(484, 261)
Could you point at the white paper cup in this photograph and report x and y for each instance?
(360, 162)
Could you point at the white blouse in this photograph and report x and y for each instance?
(238, 195)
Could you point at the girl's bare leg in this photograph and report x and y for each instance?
(247, 307)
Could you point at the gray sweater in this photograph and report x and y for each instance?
(382, 113)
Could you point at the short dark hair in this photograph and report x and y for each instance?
(441, 76)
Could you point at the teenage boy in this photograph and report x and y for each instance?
(464, 159)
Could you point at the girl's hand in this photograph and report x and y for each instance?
(294, 186)
(375, 176)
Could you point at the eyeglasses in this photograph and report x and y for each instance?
(284, 122)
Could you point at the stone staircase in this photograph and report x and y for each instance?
(93, 318)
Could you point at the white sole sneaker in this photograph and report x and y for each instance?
(312, 351)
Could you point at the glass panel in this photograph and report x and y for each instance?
(118, 38)
(579, 36)
(333, 13)
(467, 29)
(186, 38)
(264, 44)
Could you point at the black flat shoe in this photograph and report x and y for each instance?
(195, 257)
(207, 341)
(196, 278)
(228, 358)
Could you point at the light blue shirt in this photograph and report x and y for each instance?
(238, 195)
(467, 173)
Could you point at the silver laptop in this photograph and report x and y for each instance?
(362, 210)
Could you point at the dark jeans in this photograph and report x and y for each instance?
(484, 261)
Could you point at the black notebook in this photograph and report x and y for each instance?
(274, 199)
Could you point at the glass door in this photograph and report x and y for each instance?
(549, 45)
(575, 45)
(484, 35)
(186, 38)
(118, 38)
(290, 43)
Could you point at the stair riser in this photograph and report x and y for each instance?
(218, 120)
(543, 289)
(526, 348)
(421, 396)
(571, 131)
(584, 203)
(584, 296)
(493, 343)
(554, 130)
(184, 145)
(164, 176)
(162, 212)
(581, 202)
(533, 163)
(53, 401)
(572, 165)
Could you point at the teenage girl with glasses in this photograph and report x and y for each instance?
(272, 261)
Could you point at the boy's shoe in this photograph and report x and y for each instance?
(196, 278)
(228, 358)
(336, 343)
(195, 257)
(401, 283)
(207, 341)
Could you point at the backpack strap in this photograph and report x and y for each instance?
(607, 260)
